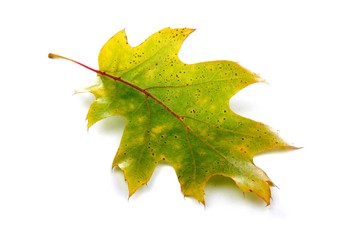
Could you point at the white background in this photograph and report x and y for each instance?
(55, 176)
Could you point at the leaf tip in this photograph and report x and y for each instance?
(290, 147)
(89, 123)
(82, 90)
(266, 198)
(202, 201)
(260, 79)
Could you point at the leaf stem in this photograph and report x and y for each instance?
(147, 94)
(55, 56)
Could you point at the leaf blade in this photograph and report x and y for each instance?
(200, 137)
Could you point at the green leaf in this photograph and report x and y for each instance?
(179, 113)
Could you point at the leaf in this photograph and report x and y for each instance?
(179, 113)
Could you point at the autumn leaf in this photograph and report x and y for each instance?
(179, 113)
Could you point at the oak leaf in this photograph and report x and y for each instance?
(179, 113)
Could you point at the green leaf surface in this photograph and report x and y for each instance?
(179, 113)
